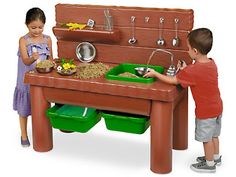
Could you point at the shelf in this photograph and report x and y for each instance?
(87, 34)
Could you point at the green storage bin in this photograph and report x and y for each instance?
(70, 118)
(125, 122)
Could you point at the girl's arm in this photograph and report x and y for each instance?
(50, 47)
(23, 53)
(164, 78)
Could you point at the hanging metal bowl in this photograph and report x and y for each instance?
(85, 52)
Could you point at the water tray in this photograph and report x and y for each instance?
(113, 74)
(72, 118)
(125, 122)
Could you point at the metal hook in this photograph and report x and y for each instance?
(132, 19)
(162, 19)
(146, 19)
(176, 20)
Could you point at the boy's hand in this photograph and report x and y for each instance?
(181, 64)
(150, 73)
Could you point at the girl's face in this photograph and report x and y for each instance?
(35, 28)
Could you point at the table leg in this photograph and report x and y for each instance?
(41, 127)
(161, 136)
(180, 123)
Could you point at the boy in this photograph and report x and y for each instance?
(202, 78)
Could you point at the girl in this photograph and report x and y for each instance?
(33, 47)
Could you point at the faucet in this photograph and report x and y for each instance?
(171, 70)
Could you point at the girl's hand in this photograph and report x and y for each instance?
(150, 73)
(55, 64)
(35, 56)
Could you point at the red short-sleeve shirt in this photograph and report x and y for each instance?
(202, 78)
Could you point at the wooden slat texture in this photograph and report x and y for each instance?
(120, 54)
(146, 37)
(99, 101)
(121, 15)
(119, 50)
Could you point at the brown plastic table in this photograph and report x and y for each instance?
(165, 104)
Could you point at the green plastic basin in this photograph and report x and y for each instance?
(125, 122)
(113, 74)
(70, 118)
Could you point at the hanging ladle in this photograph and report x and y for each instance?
(132, 40)
(161, 41)
(176, 40)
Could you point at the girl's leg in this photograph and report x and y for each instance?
(209, 150)
(23, 127)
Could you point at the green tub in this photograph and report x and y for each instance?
(70, 118)
(125, 122)
(113, 74)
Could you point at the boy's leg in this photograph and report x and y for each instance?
(216, 134)
(216, 145)
(216, 156)
(209, 150)
(204, 133)
(208, 165)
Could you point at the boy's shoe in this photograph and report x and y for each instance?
(203, 167)
(25, 143)
(202, 159)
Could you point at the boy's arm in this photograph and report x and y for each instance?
(164, 78)
(167, 79)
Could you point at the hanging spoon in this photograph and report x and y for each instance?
(176, 40)
(161, 41)
(132, 40)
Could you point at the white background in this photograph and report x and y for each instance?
(101, 152)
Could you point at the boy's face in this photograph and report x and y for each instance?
(35, 28)
(191, 51)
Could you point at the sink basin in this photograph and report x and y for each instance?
(114, 73)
